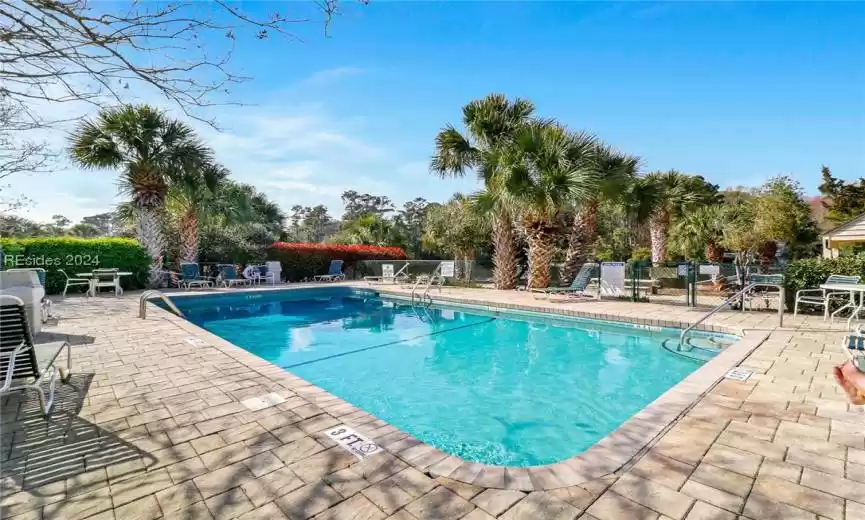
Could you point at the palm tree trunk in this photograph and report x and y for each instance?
(659, 224)
(189, 237)
(581, 243)
(541, 248)
(504, 253)
(148, 230)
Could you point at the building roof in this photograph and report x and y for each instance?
(851, 231)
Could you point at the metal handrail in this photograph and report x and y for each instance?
(436, 274)
(706, 316)
(146, 295)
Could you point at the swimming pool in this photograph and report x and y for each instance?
(504, 389)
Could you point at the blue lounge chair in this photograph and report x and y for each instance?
(333, 274)
(577, 288)
(228, 276)
(190, 276)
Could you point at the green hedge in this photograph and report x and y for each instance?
(811, 272)
(75, 255)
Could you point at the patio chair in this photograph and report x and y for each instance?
(23, 365)
(763, 293)
(107, 278)
(577, 289)
(265, 274)
(822, 298)
(72, 282)
(228, 276)
(853, 346)
(190, 276)
(333, 274)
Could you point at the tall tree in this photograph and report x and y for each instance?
(362, 204)
(455, 229)
(844, 200)
(193, 197)
(151, 150)
(411, 219)
(615, 170)
(106, 224)
(310, 224)
(547, 169)
(491, 124)
(674, 194)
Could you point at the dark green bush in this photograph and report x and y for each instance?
(75, 255)
(811, 272)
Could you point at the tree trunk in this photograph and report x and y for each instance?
(541, 248)
(504, 253)
(148, 231)
(714, 252)
(581, 243)
(189, 237)
(659, 224)
(767, 255)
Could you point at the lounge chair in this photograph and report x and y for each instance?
(265, 274)
(577, 288)
(820, 297)
(190, 276)
(228, 276)
(388, 276)
(23, 365)
(333, 274)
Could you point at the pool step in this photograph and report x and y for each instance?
(698, 349)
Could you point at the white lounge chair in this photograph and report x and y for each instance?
(388, 276)
(23, 365)
(228, 276)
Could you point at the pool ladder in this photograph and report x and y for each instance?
(434, 278)
(146, 295)
(683, 337)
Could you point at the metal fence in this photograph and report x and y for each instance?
(694, 284)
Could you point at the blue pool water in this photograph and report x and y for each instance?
(497, 389)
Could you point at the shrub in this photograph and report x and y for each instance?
(305, 260)
(811, 272)
(75, 255)
(641, 253)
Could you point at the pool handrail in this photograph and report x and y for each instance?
(152, 293)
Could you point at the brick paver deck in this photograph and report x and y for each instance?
(152, 427)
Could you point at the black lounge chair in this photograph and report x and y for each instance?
(23, 365)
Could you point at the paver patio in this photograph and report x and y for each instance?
(153, 427)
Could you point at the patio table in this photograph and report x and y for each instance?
(92, 277)
(853, 289)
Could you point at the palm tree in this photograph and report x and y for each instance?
(699, 233)
(491, 124)
(151, 150)
(615, 171)
(547, 169)
(673, 194)
(193, 197)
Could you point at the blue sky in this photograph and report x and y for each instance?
(733, 91)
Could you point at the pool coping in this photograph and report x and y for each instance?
(609, 455)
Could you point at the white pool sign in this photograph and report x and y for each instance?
(613, 278)
(353, 442)
(739, 374)
(446, 269)
(387, 271)
(713, 270)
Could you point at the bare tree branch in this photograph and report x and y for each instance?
(82, 50)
